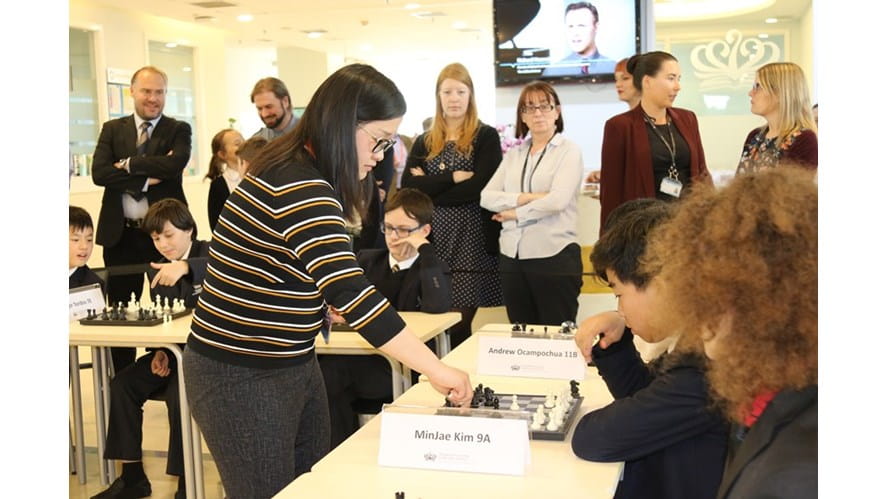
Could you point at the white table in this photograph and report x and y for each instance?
(351, 469)
(170, 335)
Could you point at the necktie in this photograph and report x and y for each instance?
(395, 269)
(143, 139)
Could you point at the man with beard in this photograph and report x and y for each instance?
(274, 105)
(138, 160)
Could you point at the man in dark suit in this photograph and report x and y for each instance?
(410, 276)
(138, 160)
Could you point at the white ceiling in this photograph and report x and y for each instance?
(355, 27)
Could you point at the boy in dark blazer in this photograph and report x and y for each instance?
(80, 246)
(662, 422)
(178, 274)
(138, 160)
(409, 274)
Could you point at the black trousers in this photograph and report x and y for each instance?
(135, 246)
(350, 380)
(542, 290)
(130, 389)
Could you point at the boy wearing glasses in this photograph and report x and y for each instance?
(411, 276)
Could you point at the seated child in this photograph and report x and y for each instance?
(661, 422)
(739, 267)
(409, 274)
(178, 275)
(80, 246)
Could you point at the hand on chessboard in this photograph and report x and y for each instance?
(452, 382)
(169, 273)
(609, 325)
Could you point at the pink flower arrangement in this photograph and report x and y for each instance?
(507, 138)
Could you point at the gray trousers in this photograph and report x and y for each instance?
(263, 427)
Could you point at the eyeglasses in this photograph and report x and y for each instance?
(400, 231)
(541, 107)
(382, 145)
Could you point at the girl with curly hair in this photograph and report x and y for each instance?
(739, 270)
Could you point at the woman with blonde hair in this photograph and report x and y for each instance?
(780, 96)
(452, 162)
(739, 272)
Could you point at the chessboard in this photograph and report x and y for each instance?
(106, 320)
(487, 403)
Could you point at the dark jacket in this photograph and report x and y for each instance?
(426, 285)
(661, 424)
(778, 455)
(627, 162)
(445, 192)
(215, 200)
(166, 155)
(191, 284)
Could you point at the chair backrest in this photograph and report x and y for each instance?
(103, 275)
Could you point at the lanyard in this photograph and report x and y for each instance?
(672, 150)
(524, 170)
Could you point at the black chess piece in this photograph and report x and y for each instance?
(495, 402)
(104, 314)
(574, 388)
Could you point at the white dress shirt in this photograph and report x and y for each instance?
(545, 226)
(131, 208)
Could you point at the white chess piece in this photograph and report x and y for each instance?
(549, 401)
(552, 424)
(538, 419)
(514, 405)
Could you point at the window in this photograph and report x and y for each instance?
(83, 110)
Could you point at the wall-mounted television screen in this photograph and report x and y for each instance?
(562, 39)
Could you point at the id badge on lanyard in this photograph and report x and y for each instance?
(671, 186)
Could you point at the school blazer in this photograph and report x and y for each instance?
(426, 287)
(117, 140)
(779, 455)
(627, 163)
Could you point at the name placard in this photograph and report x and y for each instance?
(454, 443)
(83, 299)
(529, 357)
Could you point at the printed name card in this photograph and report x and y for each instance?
(454, 443)
(529, 357)
(83, 299)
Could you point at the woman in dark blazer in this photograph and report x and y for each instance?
(653, 150)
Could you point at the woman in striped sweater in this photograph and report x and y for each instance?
(280, 257)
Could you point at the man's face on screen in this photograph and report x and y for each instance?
(581, 27)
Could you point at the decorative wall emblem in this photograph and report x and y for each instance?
(731, 63)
